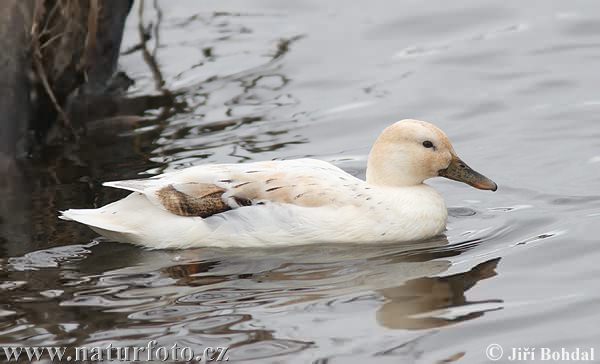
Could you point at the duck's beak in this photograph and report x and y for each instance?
(460, 171)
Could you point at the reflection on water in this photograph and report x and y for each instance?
(204, 297)
(430, 296)
(251, 80)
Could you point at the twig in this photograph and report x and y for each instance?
(159, 17)
(39, 66)
(148, 57)
(91, 36)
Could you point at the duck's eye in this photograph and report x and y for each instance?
(428, 144)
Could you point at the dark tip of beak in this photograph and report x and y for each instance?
(492, 186)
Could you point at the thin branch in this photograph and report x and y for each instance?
(39, 66)
(148, 57)
(91, 36)
(159, 17)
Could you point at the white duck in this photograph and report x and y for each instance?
(292, 201)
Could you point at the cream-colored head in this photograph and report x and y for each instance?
(410, 151)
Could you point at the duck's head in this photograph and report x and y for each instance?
(410, 151)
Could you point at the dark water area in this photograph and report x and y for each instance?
(513, 84)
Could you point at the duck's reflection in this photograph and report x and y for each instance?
(238, 296)
(414, 304)
(408, 280)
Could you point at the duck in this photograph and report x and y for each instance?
(292, 202)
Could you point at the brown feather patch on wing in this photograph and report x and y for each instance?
(276, 187)
(199, 199)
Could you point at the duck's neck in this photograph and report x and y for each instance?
(391, 168)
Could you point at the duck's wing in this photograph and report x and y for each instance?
(179, 198)
(208, 190)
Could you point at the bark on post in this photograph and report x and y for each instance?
(52, 51)
(15, 19)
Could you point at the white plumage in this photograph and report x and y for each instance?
(286, 202)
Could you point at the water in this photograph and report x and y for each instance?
(513, 85)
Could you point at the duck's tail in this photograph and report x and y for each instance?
(94, 218)
(136, 220)
(114, 220)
